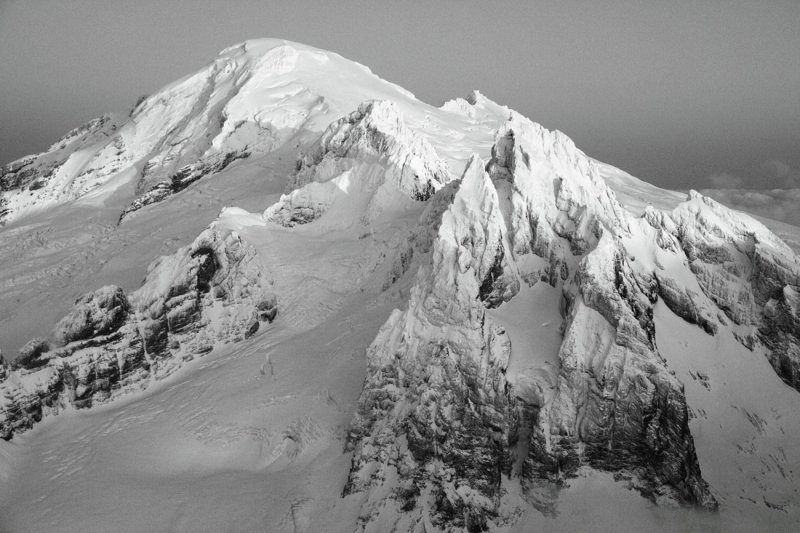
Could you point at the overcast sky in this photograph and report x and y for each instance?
(680, 93)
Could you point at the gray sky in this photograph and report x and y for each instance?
(680, 93)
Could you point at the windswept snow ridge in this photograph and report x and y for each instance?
(252, 99)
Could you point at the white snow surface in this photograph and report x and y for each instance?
(250, 437)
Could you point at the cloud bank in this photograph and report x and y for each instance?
(772, 174)
(778, 204)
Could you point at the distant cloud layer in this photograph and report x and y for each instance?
(779, 175)
(668, 91)
(775, 194)
(777, 204)
(773, 174)
(725, 180)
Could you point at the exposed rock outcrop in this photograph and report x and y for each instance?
(370, 153)
(30, 355)
(780, 332)
(750, 275)
(617, 407)
(442, 422)
(43, 177)
(208, 293)
(181, 179)
(99, 313)
(436, 391)
(35, 171)
(376, 130)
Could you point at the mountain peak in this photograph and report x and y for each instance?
(487, 319)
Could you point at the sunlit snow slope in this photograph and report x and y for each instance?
(283, 294)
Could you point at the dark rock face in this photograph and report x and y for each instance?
(30, 354)
(635, 416)
(780, 332)
(18, 173)
(751, 277)
(23, 408)
(155, 334)
(95, 314)
(267, 309)
(494, 287)
(181, 179)
(111, 342)
(777, 284)
(686, 304)
(458, 421)
(4, 209)
(441, 397)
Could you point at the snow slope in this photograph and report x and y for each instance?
(456, 287)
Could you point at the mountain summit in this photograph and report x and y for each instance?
(414, 319)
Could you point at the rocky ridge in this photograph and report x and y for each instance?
(24, 182)
(444, 423)
(751, 275)
(209, 293)
(191, 128)
(181, 179)
(369, 152)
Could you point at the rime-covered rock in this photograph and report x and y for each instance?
(376, 130)
(182, 178)
(780, 332)
(435, 389)
(94, 314)
(30, 355)
(746, 271)
(617, 407)
(369, 153)
(63, 170)
(35, 171)
(440, 417)
(211, 292)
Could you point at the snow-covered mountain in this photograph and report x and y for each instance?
(365, 313)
